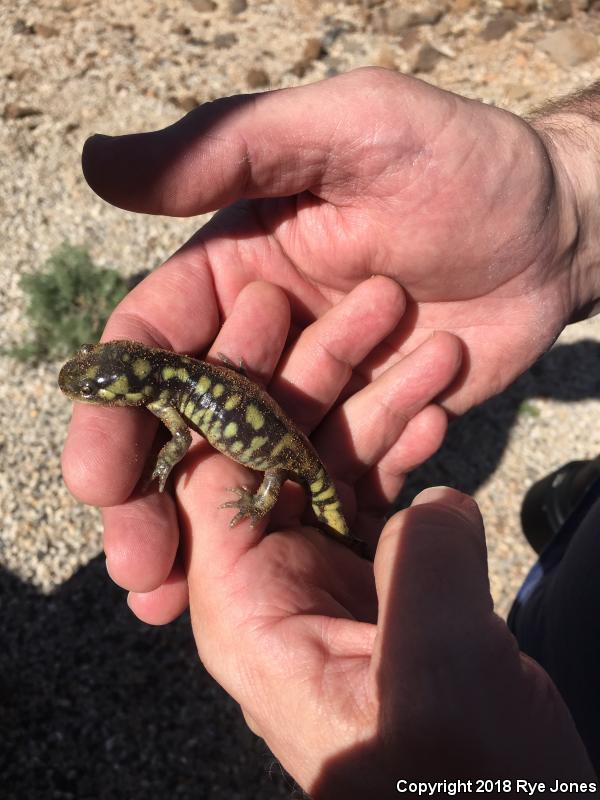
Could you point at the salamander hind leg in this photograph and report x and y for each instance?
(256, 505)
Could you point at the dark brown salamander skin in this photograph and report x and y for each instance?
(232, 412)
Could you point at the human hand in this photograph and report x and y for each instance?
(358, 675)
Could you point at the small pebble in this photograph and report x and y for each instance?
(498, 27)
(558, 9)
(257, 78)
(18, 111)
(569, 47)
(204, 6)
(21, 27)
(224, 41)
(187, 102)
(181, 29)
(45, 31)
(521, 6)
(427, 57)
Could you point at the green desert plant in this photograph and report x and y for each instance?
(70, 300)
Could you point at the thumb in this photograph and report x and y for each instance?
(431, 568)
(448, 667)
(270, 144)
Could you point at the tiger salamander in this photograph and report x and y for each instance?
(232, 412)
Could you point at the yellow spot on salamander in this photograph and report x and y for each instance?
(256, 443)
(254, 417)
(189, 409)
(286, 441)
(172, 372)
(91, 372)
(329, 492)
(120, 386)
(236, 447)
(316, 486)
(105, 394)
(195, 418)
(232, 401)
(231, 430)
(133, 397)
(215, 432)
(218, 390)
(141, 367)
(203, 385)
(208, 415)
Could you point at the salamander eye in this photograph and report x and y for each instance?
(86, 388)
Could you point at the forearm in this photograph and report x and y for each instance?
(570, 129)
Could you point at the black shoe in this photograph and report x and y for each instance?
(550, 501)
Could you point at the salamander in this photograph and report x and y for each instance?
(221, 403)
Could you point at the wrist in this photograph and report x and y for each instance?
(572, 140)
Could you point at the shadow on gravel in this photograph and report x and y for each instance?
(95, 704)
(475, 442)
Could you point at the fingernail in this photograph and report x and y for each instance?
(107, 567)
(99, 137)
(448, 497)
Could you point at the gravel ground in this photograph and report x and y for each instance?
(94, 704)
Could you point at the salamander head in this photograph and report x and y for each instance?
(115, 373)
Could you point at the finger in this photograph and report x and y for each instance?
(420, 439)
(454, 659)
(164, 604)
(431, 572)
(376, 490)
(271, 144)
(141, 537)
(370, 422)
(207, 486)
(158, 313)
(321, 360)
(159, 310)
(98, 439)
(256, 330)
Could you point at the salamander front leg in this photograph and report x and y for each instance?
(175, 449)
(256, 505)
